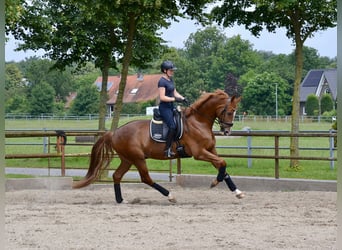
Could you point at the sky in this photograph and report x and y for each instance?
(325, 42)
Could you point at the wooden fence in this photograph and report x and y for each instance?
(61, 143)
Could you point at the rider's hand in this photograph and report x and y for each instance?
(177, 99)
(185, 101)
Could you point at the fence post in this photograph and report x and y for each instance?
(331, 149)
(179, 166)
(44, 142)
(276, 157)
(61, 142)
(249, 148)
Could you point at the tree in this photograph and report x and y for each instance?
(13, 80)
(15, 90)
(42, 99)
(13, 11)
(86, 101)
(301, 19)
(36, 70)
(311, 105)
(263, 92)
(107, 33)
(207, 59)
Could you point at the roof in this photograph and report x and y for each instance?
(314, 80)
(139, 88)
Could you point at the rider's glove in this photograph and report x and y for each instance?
(185, 101)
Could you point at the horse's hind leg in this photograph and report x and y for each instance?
(145, 178)
(117, 176)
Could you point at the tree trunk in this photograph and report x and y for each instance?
(124, 72)
(103, 96)
(294, 144)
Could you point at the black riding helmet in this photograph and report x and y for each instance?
(167, 65)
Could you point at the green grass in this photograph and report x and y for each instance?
(312, 169)
(18, 176)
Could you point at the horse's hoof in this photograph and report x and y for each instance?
(171, 198)
(214, 183)
(123, 202)
(240, 195)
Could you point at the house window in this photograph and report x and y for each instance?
(99, 85)
(134, 91)
(326, 91)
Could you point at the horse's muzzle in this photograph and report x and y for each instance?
(226, 130)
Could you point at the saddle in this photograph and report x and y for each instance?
(159, 129)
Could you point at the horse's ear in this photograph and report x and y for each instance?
(234, 90)
(236, 99)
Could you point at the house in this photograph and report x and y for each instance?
(139, 88)
(318, 82)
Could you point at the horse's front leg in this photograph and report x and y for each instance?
(220, 165)
(226, 177)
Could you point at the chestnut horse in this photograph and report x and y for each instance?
(133, 144)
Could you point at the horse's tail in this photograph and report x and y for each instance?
(101, 156)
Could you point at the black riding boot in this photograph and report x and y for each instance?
(169, 140)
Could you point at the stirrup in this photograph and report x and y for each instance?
(169, 153)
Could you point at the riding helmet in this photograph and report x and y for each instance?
(167, 65)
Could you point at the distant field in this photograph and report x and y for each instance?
(236, 166)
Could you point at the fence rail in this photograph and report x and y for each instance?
(89, 117)
(61, 143)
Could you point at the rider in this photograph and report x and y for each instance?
(167, 95)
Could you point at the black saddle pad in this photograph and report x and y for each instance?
(159, 129)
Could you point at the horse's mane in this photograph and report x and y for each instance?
(204, 98)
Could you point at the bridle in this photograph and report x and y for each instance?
(220, 118)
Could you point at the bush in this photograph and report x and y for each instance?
(311, 104)
(327, 103)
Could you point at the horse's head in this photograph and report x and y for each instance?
(226, 116)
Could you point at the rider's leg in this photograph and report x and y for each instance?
(167, 115)
(169, 140)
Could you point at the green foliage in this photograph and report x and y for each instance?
(331, 113)
(207, 59)
(13, 79)
(42, 99)
(327, 103)
(17, 104)
(300, 18)
(311, 105)
(261, 94)
(15, 90)
(137, 108)
(86, 101)
(13, 11)
(61, 81)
